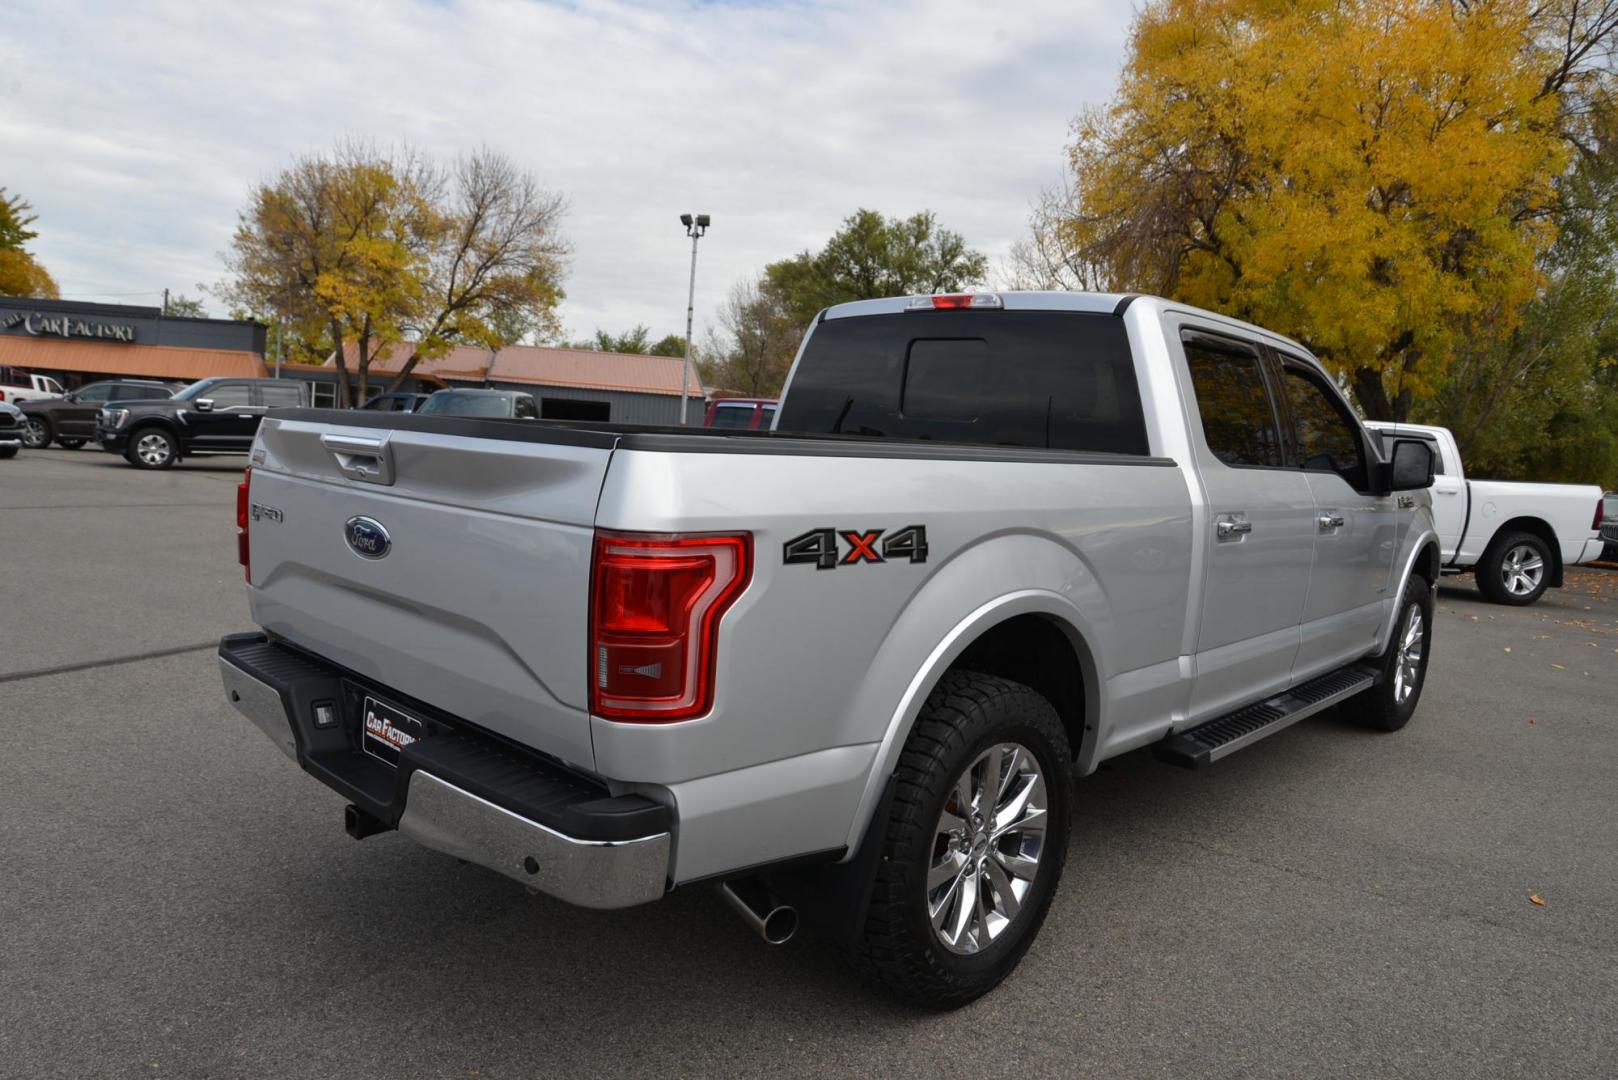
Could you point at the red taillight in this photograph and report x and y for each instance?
(655, 604)
(1595, 526)
(243, 556)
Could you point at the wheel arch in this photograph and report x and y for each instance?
(1538, 527)
(992, 639)
(167, 426)
(1425, 562)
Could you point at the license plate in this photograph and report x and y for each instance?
(385, 730)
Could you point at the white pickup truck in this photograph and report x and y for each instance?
(18, 386)
(849, 667)
(1517, 538)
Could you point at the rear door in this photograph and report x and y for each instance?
(1258, 538)
(1355, 532)
(479, 603)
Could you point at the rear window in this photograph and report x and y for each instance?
(458, 403)
(1061, 380)
(733, 416)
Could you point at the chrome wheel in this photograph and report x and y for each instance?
(986, 848)
(153, 448)
(1521, 570)
(1407, 669)
(34, 435)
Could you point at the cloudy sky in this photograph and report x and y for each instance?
(136, 128)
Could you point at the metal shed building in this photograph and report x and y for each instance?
(570, 384)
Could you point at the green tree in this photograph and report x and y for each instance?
(181, 306)
(1542, 401)
(874, 256)
(637, 340)
(389, 251)
(20, 273)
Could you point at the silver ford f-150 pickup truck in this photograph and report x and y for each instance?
(847, 668)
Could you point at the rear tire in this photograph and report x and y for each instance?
(1389, 704)
(151, 448)
(946, 921)
(70, 444)
(7, 452)
(1515, 570)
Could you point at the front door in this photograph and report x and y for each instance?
(1258, 537)
(230, 424)
(1356, 533)
(75, 417)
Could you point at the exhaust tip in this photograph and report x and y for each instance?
(770, 919)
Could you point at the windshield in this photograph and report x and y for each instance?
(466, 403)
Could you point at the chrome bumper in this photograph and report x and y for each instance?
(441, 816)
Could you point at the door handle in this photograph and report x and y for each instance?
(359, 458)
(1229, 527)
(1446, 491)
(1330, 520)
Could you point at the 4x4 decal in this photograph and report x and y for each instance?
(821, 547)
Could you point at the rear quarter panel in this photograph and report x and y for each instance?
(811, 659)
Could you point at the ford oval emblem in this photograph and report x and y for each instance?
(367, 537)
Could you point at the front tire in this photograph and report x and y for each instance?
(36, 433)
(1389, 704)
(975, 842)
(7, 452)
(1515, 570)
(151, 448)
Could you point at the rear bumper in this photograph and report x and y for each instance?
(458, 791)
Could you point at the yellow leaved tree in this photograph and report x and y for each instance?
(1372, 177)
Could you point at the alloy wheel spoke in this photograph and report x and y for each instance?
(990, 790)
(966, 908)
(1033, 821)
(1016, 803)
(1009, 905)
(1018, 865)
(942, 871)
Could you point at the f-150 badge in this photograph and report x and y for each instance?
(825, 548)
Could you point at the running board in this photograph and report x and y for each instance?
(1222, 736)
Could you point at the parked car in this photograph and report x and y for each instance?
(1516, 538)
(11, 430)
(396, 401)
(1609, 527)
(486, 403)
(213, 416)
(18, 385)
(70, 420)
(749, 414)
(851, 670)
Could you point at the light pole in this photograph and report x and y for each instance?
(695, 227)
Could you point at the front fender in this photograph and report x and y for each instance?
(1425, 545)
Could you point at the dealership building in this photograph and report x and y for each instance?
(77, 343)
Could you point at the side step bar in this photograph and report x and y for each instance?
(1224, 735)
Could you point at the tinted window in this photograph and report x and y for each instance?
(466, 403)
(1327, 437)
(280, 397)
(766, 416)
(733, 416)
(229, 396)
(1009, 378)
(1238, 421)
(137, 391)
(524, 408)
(100, 391)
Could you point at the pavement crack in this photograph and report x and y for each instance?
(112, 661)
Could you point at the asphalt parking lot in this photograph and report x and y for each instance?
(176, 899)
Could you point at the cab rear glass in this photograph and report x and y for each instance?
(1059, 380)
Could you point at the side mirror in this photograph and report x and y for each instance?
(1410, 467)
(204, 404)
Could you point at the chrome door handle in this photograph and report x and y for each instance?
(1328, 522)
(1230, 528)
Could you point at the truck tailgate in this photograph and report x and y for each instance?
(478, 603)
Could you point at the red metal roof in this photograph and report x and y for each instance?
(115, 358)
(542, 366)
